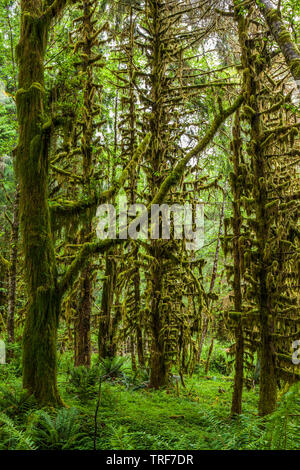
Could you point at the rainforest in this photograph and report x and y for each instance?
(149, 226)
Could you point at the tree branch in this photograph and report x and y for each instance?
(102, 246)
(283, 38)
(175, 175)
(76, 208)
(54, 9)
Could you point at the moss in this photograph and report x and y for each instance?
(295, 68)
(43, 306)
(39, 351)
(4, 262)
(249, 111)
(284, 37)
(272, 15)
(200, 147)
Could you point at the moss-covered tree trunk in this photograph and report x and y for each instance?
(4, 266)
(159, 370)
(12, 283)
(83, 323)
(213, 280)
(106, 324)
(39, 351)
(252, 75)
(139, 333)
(236, 405)
(157, 154)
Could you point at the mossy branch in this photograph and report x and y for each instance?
(102, 246)
(282, 37)
(54, 9)
(4, 262)
(175, 175)
(58, 208)
(137, 156)
(82, 258)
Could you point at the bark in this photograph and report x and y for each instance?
(236, 403)
(139, 334)
(4, 265)
(82, 325)
(267, 378)
(132, 352)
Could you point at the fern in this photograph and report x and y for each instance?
(83, 382)
(16, 402)
(114, 367)
(283, 426)
(59, 432)
(13, 438)
(121, 438)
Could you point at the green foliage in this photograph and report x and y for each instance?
(83, 381)
(219, 362)
(57, 432)
(15, 401)
(121, 439)
(12, 438)
(103, 88)
(283, 426)
(114, 368)
(191, 418)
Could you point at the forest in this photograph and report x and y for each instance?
(149, 234)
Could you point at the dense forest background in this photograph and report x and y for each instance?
(144, 343)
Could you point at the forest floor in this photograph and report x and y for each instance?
(130, 416)
(162, 420)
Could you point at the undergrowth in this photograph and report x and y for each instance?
(190, 417)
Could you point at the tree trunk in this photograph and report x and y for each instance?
(39, 350)
(263, 221)
(13, 273)
(159, 369)
(82, 323)
(214, 274)
(132, 352)
(88, 31)
(105, 335)
(236, 405)
(211, 347)
(267, 378)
